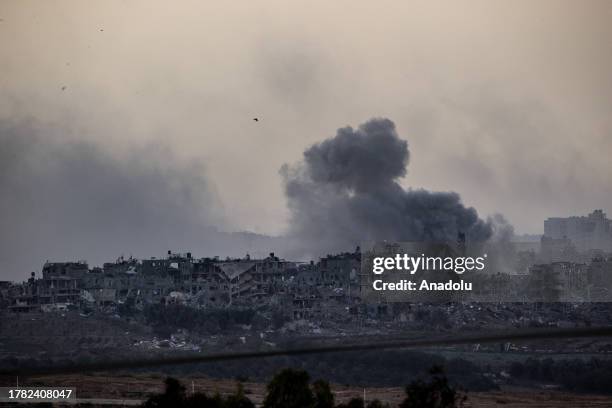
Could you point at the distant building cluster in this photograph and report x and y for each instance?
(571, 262)
(180, 278)
(565, 238)
(550, 282)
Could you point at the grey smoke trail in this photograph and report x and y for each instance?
(346, 191)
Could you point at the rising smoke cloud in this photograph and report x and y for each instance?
(68, 199)
(346, 191)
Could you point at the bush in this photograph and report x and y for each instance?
(437, 393)
(323, 396)
(289, 389)
(174, 397)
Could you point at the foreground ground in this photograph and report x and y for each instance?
(131, 389)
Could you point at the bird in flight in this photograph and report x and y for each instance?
(256, 119)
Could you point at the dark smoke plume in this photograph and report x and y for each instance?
(346, 191)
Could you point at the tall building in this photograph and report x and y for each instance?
(593, 232)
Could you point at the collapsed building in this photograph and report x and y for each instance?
(125, 281)
(59, 288)
(216, 282)
(558, 282)
(180, 278)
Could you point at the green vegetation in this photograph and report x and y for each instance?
(358, 403)
(290, 388)
(437, 393)
(175, 397)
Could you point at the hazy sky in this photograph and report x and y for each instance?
(506, 102)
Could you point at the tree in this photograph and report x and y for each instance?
(323, 396)
(358, 403)
(355, 403)
(174, 396)
(376, 404)
(238, 400)
(437, 393)
(201, 400)
(289, 389)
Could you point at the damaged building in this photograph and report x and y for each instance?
(591, 232)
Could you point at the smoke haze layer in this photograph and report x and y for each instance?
(346, 191)
(66, 199)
